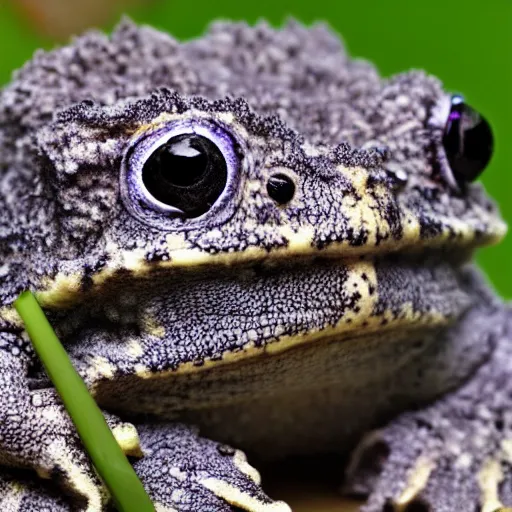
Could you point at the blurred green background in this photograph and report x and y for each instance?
(468, 44)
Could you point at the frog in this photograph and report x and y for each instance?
(252, 247)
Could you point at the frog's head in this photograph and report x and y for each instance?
(254, 188)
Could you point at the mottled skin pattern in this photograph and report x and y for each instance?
(278, 329)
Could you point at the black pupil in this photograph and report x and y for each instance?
(188, 172)
(467, 140)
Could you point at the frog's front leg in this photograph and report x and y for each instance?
(187, 473)
(180, 470)
(453, 455)
(36, 432)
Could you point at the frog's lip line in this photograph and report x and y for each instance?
(65, 290)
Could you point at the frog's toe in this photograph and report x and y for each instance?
(411, 466)
(184, 472)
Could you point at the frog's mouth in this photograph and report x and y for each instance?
(186, 321)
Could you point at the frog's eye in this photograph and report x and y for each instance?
(182, 171)
(188, 172)
(467, 141)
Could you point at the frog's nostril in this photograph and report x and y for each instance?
(281, 188)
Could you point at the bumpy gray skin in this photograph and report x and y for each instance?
(397, 317)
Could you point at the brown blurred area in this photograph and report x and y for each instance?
(58, 19)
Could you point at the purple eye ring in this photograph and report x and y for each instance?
(180, 174)
(467, 141)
